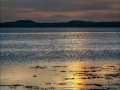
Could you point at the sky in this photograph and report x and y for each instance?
(60, 10)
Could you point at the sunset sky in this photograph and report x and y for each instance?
(60, 10)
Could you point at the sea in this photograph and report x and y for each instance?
(60, 58)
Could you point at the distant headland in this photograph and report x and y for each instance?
(70, 24)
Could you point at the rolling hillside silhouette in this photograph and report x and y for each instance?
(74, 23)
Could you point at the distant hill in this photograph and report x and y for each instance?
(74, 23)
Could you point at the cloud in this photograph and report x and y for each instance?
(51, 10)
(60, 5)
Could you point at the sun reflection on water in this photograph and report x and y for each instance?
(76, 81)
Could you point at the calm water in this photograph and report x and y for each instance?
(59, 60)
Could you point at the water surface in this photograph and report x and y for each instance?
(59, 60)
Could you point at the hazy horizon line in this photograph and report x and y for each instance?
(55, 21)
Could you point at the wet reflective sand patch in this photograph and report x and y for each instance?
(62, 76)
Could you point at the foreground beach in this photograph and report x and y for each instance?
(84, 75)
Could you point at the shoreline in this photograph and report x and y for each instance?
(59, 76)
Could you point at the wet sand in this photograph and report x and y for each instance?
(84, 75)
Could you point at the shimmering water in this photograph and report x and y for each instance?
(59, 60)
